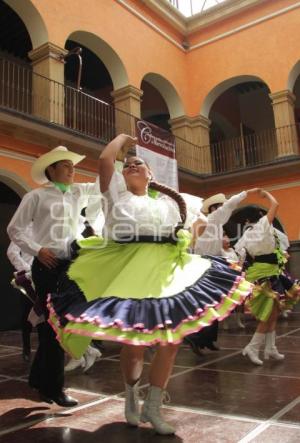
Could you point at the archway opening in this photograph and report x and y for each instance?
(10, 315)
(242, 124)
(95, 78)
(15, 41)
(153, 107)
(160, 101)
(90, 109)
(296, 91)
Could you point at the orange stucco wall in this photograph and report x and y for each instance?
(257, 50)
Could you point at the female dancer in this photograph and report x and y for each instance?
(139, 286)
(274, 290)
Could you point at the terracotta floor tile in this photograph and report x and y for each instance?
(218, 398)
(278, 434)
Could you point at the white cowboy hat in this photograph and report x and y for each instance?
(213, 200)
(55, 155)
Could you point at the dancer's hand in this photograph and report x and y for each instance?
(128, 143)
(253, 191)
(47, 258)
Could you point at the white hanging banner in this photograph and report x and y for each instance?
(157, 147)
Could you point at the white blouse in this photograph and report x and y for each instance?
(130, 215)
(259, 239)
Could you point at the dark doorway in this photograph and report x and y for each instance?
(15, 40)
(10, 315)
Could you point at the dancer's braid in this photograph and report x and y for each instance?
(175, 196)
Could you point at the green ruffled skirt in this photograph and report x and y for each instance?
(142, 294)
(272, 286)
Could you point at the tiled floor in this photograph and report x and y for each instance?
(220, 398)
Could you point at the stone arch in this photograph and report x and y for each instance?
(15, 182)
(32, 20)
(106, 53)
(222, 87)
(294, 86)
(293, 75)
(168, 92)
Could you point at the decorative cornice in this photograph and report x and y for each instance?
(219, 13)
(202, 121)
(47, 50)
(282, 97)
(246, 25)
(164, 9)
(180, 122)
(189, 25)
(127, 92)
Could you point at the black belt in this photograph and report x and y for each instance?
(267, 258)
(147, 239)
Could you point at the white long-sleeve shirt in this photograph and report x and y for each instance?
(54, 216)
(210, 242)
(20, 260)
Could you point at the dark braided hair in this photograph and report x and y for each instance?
(175, 196)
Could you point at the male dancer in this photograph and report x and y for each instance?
(54, 211)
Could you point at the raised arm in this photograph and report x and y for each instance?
(273, 205)
(115, 150)
(223, 213)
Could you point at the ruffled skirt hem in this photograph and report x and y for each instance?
(146, 322)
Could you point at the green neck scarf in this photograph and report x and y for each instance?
(62, 186)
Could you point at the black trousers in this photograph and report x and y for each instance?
(26, 326)
(47, 370)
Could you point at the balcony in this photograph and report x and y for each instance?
(40, 99)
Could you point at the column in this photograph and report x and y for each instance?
(283, 103)
(200, 133)
(127, 102)
(181, 128)
(48, 82)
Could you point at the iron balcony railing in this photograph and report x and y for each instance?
(259, 148)
(28, 93)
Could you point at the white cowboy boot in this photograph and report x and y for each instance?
(75, 363)
(151, 412)
(238, 318)
(132, 409)
(270, 349)
(252, 349)
(91, 355)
